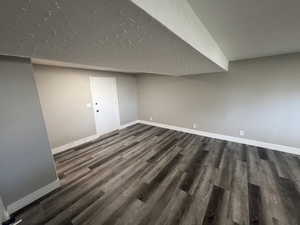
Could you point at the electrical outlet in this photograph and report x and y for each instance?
(242, 133)
(194, 125)
(151, 118)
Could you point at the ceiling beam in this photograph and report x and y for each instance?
(179, 17)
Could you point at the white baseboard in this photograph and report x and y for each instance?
(276, 147)
(3, 213)
(74, 144)
(85, 140)
(32, 197)
(129, 124)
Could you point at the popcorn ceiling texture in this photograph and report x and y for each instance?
(108, 33)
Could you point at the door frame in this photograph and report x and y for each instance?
(117, 101)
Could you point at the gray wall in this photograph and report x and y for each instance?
(127, 95)
(260, 96)
(64, 93)
(26, 162)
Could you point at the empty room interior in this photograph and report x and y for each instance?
(149, 112)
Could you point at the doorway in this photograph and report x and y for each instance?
(105, 104)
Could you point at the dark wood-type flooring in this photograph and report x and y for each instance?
(146, 175)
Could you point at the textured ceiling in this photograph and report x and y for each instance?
(252, 28)
(106, 33)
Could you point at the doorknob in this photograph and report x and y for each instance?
(97, 110)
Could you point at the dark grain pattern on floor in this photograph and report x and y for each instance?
(144, 175)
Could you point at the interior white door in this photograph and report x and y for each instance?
(105, 104)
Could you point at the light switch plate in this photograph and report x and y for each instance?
(242, 133)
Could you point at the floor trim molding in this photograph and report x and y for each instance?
(3, 213)
(129, 124)
(276, 147)
(84, 140)
(28, 199)
(74, 144)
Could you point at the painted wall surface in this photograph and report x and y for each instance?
(128, 100)
(260, 96)
(26, 162)
(64, 95)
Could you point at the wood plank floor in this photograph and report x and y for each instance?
(145, 175)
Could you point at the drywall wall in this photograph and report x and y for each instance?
(260, 96)
(127, 94)
(64, 95)
(26, 162)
